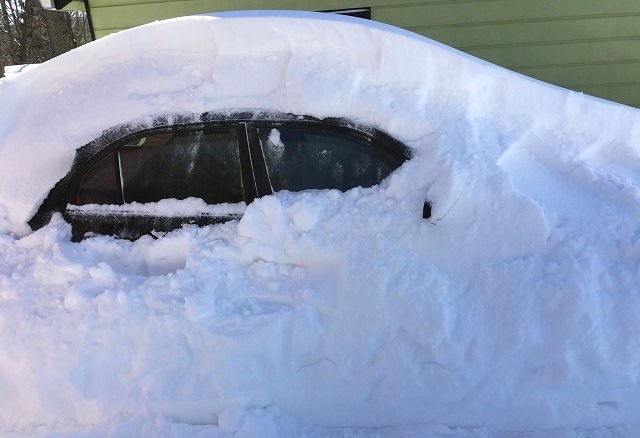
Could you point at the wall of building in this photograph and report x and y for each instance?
(586, 45)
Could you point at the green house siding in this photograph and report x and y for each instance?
(591, 46)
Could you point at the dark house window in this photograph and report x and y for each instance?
(354, 12)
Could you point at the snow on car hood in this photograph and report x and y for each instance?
(516, 307)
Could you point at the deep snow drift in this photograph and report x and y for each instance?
(516, 309)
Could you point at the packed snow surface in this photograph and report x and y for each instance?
(513, 311)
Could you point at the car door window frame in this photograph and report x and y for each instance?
(133, 225)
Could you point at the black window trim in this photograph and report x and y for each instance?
(255, 178)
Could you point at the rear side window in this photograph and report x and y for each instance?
(203, 164)
(301, 159)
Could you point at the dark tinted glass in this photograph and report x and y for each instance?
(300, 159)
(99, 185)
(201, 164)
(353, 12)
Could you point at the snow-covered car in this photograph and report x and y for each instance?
(513, 311)
(124, 182)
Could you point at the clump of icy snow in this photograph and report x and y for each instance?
(165, 207)
(515, 308)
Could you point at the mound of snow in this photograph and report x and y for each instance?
(515, 308)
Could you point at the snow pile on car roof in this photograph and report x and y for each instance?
(515, 308)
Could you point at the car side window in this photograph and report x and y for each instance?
(199, 163)
(99, 184)
(307, 158)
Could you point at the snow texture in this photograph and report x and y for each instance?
(514, 311)
(165, 207)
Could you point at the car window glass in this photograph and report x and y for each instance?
(300, 159)
(199, 164)
(99, 184)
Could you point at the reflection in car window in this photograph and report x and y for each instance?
(300, 159)
(200, 164)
